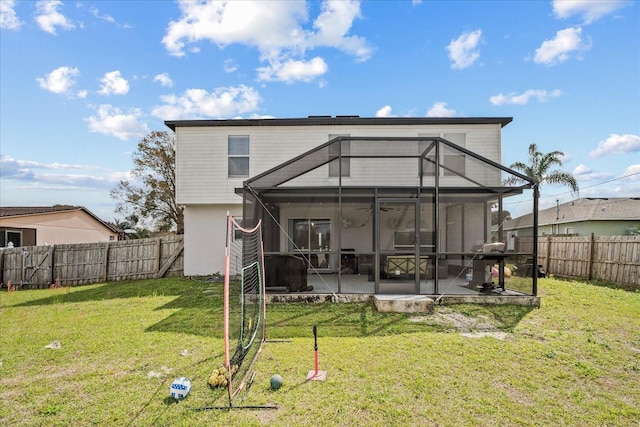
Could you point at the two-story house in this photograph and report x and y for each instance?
(371, 205)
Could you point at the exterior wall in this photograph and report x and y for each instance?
(205, 238)
(62, 227)
(583, 228)
(201, 156)
(599, 228)
(207, 193)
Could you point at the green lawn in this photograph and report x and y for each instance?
(574, 361)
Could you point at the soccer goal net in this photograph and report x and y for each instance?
(244, 303)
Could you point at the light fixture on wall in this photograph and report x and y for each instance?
(346, 223)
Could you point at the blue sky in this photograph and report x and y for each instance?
(81, 82)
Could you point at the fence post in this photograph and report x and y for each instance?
(22, 266)
(105, 262)
(1, 267)
(548, 258)
(590, 260)
(158, 255)
(51, 265)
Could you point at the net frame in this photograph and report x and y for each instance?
(244, 280)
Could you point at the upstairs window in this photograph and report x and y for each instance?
(343, 164)
(238, 146)
(452, 161)
(429, 161)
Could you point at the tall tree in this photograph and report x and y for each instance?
(539, 169)
(153, 194)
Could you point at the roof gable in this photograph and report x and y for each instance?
(21, 211)
(583, 209)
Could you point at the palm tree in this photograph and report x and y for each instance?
(539, 169)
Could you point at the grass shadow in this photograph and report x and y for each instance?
(199, 311)
(188, 291)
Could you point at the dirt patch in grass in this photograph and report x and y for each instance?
(470, 326)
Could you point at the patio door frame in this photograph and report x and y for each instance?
(415, 201)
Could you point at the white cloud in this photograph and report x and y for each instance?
(333, 26)
(113, 84)
(56, 176)
(589, 10)
(630, 185)
(523, 98)
(274, 28)
(59, 80)
(230, 66)
(560, 48)
(585, 173)
(439, 109)
(95, 12)
(617, 144)
(110, 120)
(463, 51)
(384, 112)
(8, 18)
(164, 80)
(198, 103)
(632, 172)
(48, 17)
(292, 70)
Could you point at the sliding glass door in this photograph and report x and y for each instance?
(311, 238)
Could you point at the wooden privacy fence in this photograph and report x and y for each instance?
(78, 264)
(611, 258)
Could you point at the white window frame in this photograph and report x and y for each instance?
(449, 136)
(344, 163)
(232, 155)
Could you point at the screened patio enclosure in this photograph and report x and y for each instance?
(391, 215)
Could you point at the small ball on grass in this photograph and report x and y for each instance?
(276, 382)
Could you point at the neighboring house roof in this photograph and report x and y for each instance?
(583, 209)
(15, 211)
(342, 120)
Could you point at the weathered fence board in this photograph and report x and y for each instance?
(77, 264)
(610, 258)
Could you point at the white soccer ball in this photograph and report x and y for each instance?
(180, 388)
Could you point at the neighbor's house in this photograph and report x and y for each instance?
(49, 225)
(602, 216)
(362, 201)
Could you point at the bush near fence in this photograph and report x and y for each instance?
(613, 259)
(33, 267)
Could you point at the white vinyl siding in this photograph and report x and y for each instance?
(202, 176)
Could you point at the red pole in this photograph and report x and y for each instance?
(316, 375)
(316, 357)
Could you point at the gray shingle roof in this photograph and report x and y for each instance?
(35, 210)
(12, 211)
(583, 209)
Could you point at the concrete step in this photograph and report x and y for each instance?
(403, 303)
